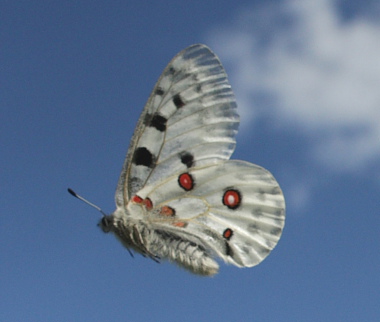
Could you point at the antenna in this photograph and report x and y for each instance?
(73, 193)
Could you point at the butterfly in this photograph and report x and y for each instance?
(179, 197)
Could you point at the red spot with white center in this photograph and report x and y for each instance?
(186, 181)
(232, 199)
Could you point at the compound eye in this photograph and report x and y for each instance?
(105, 224)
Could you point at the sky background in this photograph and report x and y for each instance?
(74, 78)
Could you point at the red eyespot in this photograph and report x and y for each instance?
(227, 234)
(232, 199)
(148, 203)
(186, 181)
(137, 199)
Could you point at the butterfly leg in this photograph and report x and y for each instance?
(139, 242)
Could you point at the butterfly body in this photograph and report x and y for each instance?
(154, 243)
(179, 197)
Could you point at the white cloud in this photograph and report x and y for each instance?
(301, 64)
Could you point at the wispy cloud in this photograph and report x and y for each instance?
(301, 63)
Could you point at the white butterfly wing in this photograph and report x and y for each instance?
(190, 119)
(235, 210)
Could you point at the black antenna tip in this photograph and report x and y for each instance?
(72, 192)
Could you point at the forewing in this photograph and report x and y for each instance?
(189, 120)
(235, 209)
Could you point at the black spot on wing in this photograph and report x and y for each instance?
(228, 250)
(177, 100)
(159, 91)
(158, 122)
(187, 159)
(172, 70)
(143, 157)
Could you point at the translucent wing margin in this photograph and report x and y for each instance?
(190, 120)
(235, 210)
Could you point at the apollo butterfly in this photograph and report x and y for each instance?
(179, 197)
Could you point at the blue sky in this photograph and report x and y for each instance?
(74, 78)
